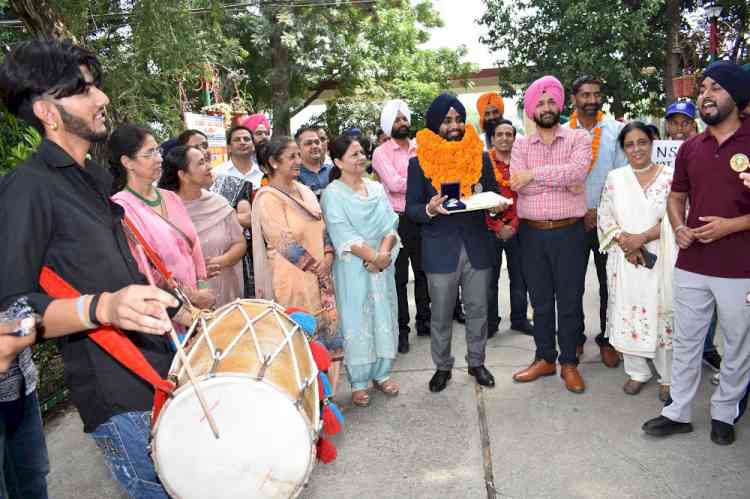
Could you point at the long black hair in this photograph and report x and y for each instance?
(176, 161)
(337, 148)
(636, 125)
(126, 140)
(271, 149)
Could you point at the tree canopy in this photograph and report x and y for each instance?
(626, 42)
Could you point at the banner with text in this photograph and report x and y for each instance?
(665, 152)
(213, 127)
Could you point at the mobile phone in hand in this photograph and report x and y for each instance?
(649, 259)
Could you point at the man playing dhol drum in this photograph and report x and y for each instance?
(55, 212)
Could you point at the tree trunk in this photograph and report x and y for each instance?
(41, 19)
(672, 59)
(280, 81)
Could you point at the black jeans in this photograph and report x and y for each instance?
(518, 301)
(600, 261)
(554, 267)
(411, 239)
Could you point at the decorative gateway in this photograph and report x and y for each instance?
(260, 375)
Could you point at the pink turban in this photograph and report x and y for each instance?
(548, 84)
(254, 120)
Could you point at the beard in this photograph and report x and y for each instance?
(547, 120)
(79, 128)
(454, 138)
(489, 124)
(400, 133)
(722, 112)
(590, 110)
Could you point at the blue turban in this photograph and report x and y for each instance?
(439, 108)
(732, 79)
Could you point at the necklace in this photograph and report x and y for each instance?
(644, 169)
(152, 204)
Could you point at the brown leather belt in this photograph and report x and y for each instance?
(551, 224)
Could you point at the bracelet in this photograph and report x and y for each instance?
(678, 229)
(92, 310)
(80, 303)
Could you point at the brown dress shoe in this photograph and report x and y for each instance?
(535, 371)
(573, 379)
(610, 357)
(632, 387)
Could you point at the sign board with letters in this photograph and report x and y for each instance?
(213, 127)
(665, 152)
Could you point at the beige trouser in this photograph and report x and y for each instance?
(637, 367)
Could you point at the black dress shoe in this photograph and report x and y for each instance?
(524, 327)
(403, 345)
(483, 376)
(722, 433)
(663, 427)
(439, 380)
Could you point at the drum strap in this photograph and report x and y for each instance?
(114, 342)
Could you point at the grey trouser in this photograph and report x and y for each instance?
(694, 298)
(443, 289)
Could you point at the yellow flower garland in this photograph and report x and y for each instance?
(451, 161)
(597, 142)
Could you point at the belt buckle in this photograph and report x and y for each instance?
(549, 223)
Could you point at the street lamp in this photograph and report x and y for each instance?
(713, 11)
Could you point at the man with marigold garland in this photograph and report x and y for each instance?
(457, 249)
(548, 169)
(606, 155)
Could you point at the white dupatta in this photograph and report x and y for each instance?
(641, 296)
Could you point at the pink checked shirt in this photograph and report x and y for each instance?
(556, 166)
(391, 161)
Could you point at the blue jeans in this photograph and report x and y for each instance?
(23, 450)
(124, 441)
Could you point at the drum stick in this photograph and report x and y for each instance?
(184, 359)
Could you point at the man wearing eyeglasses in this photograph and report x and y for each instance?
(242, 163)
(314, 171)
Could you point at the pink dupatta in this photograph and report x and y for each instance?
(176, 240)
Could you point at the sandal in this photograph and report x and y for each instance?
(389, 387)
(360, 398)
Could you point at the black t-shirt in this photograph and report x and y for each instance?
(55, 213)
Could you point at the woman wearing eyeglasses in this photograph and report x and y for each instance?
(158, 214)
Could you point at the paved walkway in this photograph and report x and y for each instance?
(524, 441)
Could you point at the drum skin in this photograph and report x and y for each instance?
(267, 427)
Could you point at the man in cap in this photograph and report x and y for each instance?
(681, 120)
(490, 107)
(546, 168)
(457, 249)
(606, 155)
(712, 268)
(391, 162)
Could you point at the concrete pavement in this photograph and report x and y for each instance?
(517, 440)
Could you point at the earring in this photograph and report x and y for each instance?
(54, 126)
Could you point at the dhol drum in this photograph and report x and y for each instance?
(256, 371)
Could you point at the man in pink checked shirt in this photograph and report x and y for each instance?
(391, 161)
(548, 169)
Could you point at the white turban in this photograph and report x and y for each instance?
(390, 111)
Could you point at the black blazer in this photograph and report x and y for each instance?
(442, 235)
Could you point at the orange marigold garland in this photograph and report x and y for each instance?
(501, 181)
(596, 144)
(451, 161)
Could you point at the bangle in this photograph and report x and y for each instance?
(80, 303)
(679, 228)
(92, 310)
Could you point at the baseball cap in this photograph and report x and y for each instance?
(681, 107)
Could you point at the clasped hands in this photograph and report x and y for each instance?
(631, 245)
(378, 264)
(714, 229)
